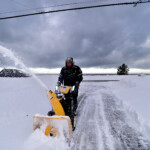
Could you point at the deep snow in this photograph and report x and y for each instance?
(99, 105)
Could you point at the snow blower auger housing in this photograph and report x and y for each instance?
(60, 124)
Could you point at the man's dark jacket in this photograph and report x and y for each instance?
(70, 75)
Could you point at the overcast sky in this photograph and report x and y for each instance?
(100, 37)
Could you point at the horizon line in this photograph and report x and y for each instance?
(90, 70)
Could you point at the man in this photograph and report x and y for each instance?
(71, 75)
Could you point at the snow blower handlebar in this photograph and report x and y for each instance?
(61, 90)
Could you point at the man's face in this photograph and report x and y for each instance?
(69, 64)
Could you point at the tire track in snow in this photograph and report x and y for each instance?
(99, 139)
(85, 135)
(125, 136)
(109, 144)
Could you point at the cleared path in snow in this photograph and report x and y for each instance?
(102, 123)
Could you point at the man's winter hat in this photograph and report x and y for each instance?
(69, 59)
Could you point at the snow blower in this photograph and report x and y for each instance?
(61, 122)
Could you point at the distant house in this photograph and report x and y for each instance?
(13, 73)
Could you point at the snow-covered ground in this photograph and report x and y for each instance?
(111, 115)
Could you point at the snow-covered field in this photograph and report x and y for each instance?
(112, 115)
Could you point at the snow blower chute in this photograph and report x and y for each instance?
(60, 123)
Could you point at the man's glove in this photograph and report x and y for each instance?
(58, 83)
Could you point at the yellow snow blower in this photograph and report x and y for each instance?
(62, 119)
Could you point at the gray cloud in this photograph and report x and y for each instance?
(102, 37)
